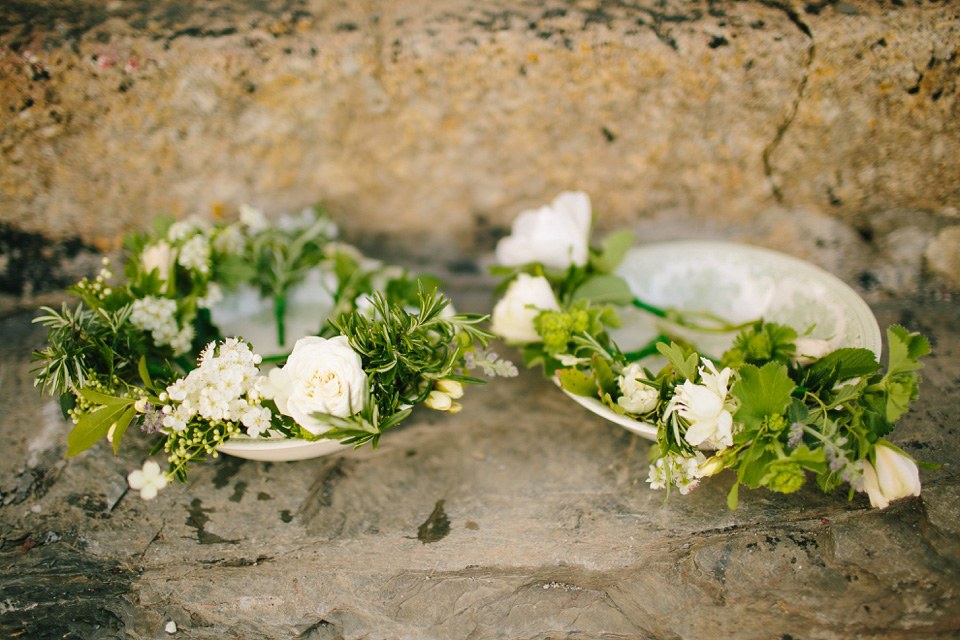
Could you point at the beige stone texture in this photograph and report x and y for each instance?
(428, 125)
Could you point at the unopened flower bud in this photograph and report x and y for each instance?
(452, 388)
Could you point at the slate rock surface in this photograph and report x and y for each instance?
(524, 516)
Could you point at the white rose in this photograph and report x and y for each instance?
(637, 397)
(158, 256)
(704, 407)
(556, 236)
(525, 298)
(809, 350)
(895, 476)
(320, 376)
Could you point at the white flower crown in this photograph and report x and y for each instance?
(774, 406)
(148, 351)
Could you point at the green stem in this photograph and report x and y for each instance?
(689, 319)
(279, 312)
(649, 349)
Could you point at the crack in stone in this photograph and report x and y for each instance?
(795, 18)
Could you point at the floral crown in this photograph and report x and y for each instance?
(775, 405)
(149, 350)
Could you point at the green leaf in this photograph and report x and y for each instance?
(902, 390)
(756, 469)
(848, 363)
(605, 289)
(577, 382)
(144, 373)
(613, 249)
(762, 392)
(733, 496)
(905, 349)
(122, 423)
(684, 362)
(95, 397)
(606, 381)
(93, 426)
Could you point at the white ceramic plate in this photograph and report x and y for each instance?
(243, 313)
(740, 283)
(279, 449)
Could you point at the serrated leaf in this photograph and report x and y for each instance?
(613, 249)
(905, 348)
(91, 427)
(762, 392)
(577, 382)
(605, 289)
(122, 423)
(847, 363)
(684, 365)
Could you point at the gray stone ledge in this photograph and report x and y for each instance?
(552, 531)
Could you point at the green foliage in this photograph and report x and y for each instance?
(684, 360)
(612, 251)
(761, 343)
(402, 353)
(763, 393)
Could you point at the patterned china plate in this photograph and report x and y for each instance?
(739, 283)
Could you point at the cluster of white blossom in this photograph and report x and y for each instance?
(213, 295)
(195, 254)
(158, 316)
(224, 388)
(683, 472)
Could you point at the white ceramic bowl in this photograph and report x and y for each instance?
(245, 314)
(279, 449)
(739, 283)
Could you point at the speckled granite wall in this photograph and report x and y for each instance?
(437, 121)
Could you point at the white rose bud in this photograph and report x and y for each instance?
(895, 476)
(514, 314)
(438, 400)
(809, 350)
(637, 397)
(556, 236)
(452, 388)
(320, 376)
(158, 256)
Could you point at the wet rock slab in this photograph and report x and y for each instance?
(524, 516)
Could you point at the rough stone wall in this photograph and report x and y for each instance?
(438, 120)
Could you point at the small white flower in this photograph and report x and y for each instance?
(637, 397)
(556, 236)
(809, 350)
(213, 296)
(683, 472)
(895, 476)
(229, 240)
(148, 480)
(513, 315)
(181, 229)
(705, 407)
(253, 218)
(320, 376)
(195, 254)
